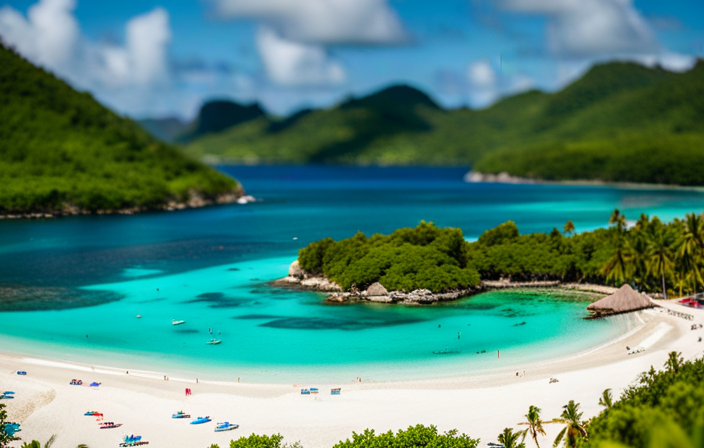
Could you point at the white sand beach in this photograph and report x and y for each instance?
(478, 405)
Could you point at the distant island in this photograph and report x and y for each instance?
(62, 152)
(428, 264)
(620, 122)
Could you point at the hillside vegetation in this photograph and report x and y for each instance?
(62, 151)
(619, 122)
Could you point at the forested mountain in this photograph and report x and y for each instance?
(592, 129)
(63, 152)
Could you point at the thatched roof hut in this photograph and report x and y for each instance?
(377, 289)
(624, 300)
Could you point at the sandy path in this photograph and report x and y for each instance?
(479, 405)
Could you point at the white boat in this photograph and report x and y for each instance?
(177, 322)
(214, 341)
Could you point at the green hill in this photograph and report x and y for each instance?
(596, 126)
(218, 115)
(63, 152)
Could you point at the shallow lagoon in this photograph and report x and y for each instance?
(211, 268)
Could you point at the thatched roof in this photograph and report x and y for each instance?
(625, 299)
(377, 289)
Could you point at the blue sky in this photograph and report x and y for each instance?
(162, 58)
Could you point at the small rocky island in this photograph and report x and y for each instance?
(376, 292)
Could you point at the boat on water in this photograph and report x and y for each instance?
(214, 341)
(226, 426)
(177, 322)
(180, 414)
(200, 420)
(110, 425)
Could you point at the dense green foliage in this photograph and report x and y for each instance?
(662, 405)
(5, 438)
(418, 436)
(651, 255)
(424, 257)
(595, 128)
(60, 147)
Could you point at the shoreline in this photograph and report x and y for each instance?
(506, 178)
(237, 196)
(299, 280)
(143, 401)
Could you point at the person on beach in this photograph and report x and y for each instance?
(458, 335)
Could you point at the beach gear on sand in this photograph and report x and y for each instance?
(226, 426)
(335, 391)
(75, 382)
(180, 414)
(200, 420)
(12, 428)
(21, 372)
(133, 440)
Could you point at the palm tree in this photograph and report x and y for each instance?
(509, 439)
(48, 444)
(574, 426)
(569, 228)
(535, 425)
(618, 220)
(619, 267)
(606, 399)
(674, 361)
(35, 444)
(690, 248)
(660, 259)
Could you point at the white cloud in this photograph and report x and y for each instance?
(321, 21)
(591, 28)
(293, 63)
(481, 74)
(148, 38)
(50, 36)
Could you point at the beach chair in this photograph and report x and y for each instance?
(305, 392)
(313, 390)
(335, 391)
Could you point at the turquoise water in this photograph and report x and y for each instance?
(210, 267)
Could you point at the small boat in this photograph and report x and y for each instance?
(200, 420)
(110, 425)
(214, 341)
(180, 414)
(177, 322)
(226, 426)
(94, 413)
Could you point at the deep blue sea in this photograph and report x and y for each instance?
(72, 287)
